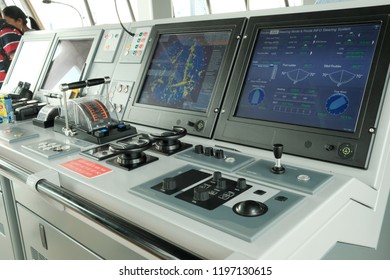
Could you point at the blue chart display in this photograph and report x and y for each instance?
(184, 69)
(309, 76)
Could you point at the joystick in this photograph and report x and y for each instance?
(278, 151)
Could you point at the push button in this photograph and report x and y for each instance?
(346, 151)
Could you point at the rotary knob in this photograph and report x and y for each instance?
(201, 193)
(198, 149)
(217, 175)
(209, 151)
(219, 154)
(241, 183)
(222, 184)
(169, 184)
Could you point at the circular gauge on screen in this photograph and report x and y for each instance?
(256, 96)
(337, 104)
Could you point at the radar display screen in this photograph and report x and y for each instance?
(309, 76)
(184, 70)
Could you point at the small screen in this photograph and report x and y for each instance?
(68, 63)
(309, 76)
(31, 57)
(184, 69)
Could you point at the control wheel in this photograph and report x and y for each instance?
(169, 141)
(131, 152)
(250, 208)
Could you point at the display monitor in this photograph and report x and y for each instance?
(28, 60)
(185, 74)
(70, 59)
(312, 82)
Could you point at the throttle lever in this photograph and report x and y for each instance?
(278, 152)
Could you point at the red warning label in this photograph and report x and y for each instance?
(86, 168)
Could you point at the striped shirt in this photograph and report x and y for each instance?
(9, 41)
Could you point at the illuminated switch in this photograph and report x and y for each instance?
(346, 151)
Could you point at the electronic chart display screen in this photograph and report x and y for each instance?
(184, 70)
(309, 76)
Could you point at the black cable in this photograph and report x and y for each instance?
(120, 22)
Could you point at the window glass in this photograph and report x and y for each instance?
(103, 14)
(134, 6)
(14, 2)
(61, 14)
(223, 6)
(185, 8)
(295, 2)
(266, 4)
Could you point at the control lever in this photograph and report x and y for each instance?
(278, 151)
(80, 84)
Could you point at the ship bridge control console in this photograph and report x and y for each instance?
(239, 130)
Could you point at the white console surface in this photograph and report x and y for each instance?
(298, 232)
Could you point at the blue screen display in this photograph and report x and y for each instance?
(184, 70)
(309, 76)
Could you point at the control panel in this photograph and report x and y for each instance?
(233, 205)
(119, 95)
(230, 191)
(135, 46)
(51, 148)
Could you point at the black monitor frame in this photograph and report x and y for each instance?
(196, 122)
(68, 35)
(346, 148)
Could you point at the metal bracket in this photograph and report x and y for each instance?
(47, 174)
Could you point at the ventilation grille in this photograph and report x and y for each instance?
(36, 255)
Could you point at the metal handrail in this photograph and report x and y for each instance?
(150, 242)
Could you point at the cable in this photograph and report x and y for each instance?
(120, 22)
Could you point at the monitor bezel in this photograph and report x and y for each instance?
(302, 140)
(36, 36)
(93, 34)
(196, 122)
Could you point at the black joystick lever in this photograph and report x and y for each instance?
(278, 151)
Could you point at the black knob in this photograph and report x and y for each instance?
(222, 184)
(329, 147)
(219, 154)
(217, 175)
(201, 193)
(198, 149)
(278, 150)
(241, 183)
(169, 184)
(208, 151)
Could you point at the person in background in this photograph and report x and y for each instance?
(9, 41)
(16, 17)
